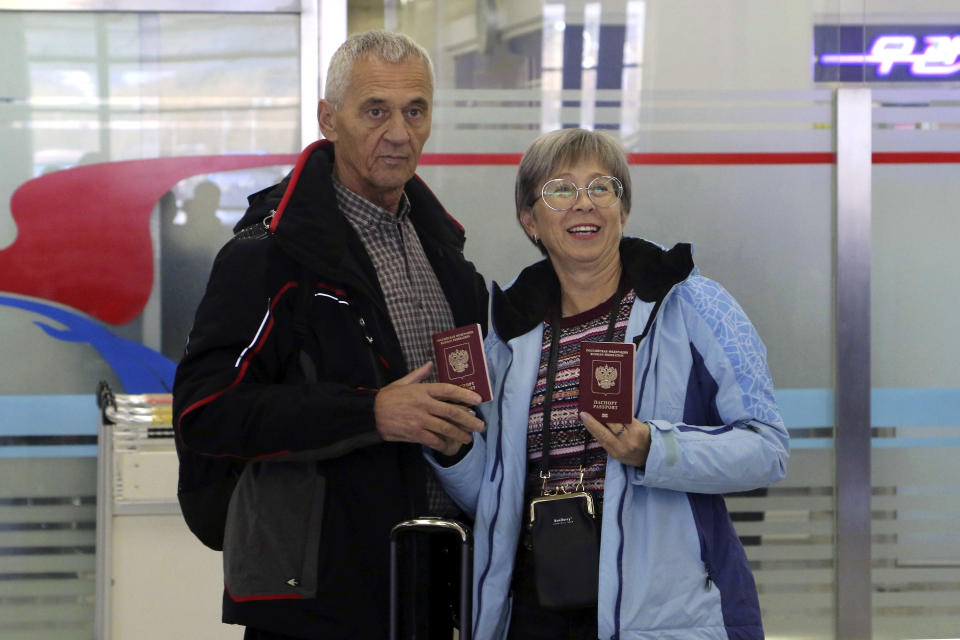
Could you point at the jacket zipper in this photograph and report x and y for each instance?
(640, 341)
(498, 460)
(497, 463)
(371, 352)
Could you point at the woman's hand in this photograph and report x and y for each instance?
(627, 443)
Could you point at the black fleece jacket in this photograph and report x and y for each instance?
(234, 396)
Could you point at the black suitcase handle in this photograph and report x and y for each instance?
(441, 526)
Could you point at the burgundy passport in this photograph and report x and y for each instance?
(606, 380)
(461, 361)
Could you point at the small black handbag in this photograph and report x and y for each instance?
(566, 550)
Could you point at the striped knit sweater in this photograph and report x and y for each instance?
(568, 436)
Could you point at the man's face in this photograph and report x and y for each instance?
(380, 128)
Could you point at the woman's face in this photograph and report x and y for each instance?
(584, 236)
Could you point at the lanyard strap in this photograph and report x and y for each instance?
(552, 377)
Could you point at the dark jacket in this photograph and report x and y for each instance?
(307, 537)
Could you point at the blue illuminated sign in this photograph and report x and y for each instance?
(886, 53)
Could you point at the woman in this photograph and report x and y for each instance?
(670, 562)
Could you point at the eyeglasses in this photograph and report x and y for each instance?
(560, 194)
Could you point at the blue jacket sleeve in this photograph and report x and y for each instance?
(462, 481)
(731, 436)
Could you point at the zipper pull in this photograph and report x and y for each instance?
(363, 327)
(709, 581)
(269, 219)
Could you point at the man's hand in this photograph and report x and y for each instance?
(437, 415)
(628, 443)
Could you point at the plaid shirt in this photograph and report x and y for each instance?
(417, 305)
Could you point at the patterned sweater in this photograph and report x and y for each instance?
(570, 443)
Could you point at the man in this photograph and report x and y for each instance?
(309, 353)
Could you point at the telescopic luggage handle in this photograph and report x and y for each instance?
(435, 525)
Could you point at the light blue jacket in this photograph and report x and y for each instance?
(671, 565)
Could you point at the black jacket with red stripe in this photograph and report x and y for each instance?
(307, 537)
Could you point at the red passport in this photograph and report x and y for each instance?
(606, 380)
(461, 361)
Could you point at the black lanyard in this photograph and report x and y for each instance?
(552, 376)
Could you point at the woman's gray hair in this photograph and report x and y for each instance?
(383, 45)
(565, 148)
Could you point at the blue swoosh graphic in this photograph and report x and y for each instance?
(139, 368)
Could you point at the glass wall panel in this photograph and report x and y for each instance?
(102, 115)
(915, 346)
(914, 371)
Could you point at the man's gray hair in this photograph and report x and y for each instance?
(383, 45)
(566, 148)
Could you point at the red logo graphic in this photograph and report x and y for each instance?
(83, 236)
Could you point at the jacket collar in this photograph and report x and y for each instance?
(309, 226)
(651, 271)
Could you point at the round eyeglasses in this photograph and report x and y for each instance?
(560, 194)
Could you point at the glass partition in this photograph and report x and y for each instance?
(101, 115)
(914, 371)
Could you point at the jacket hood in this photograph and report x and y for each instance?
(651, 270)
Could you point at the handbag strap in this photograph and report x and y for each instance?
(552, 376)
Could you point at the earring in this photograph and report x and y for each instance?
(535, 239)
